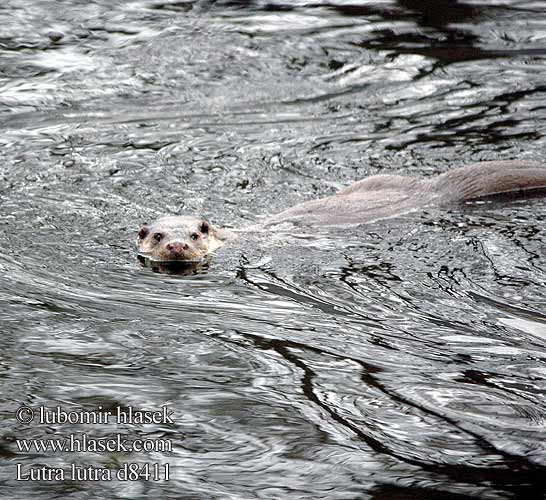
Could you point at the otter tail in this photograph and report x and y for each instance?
(490, 178)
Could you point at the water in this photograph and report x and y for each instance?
(402, 359)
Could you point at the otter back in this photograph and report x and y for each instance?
(491, 178)
(385, 196)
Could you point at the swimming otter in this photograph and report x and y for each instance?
(182, 238)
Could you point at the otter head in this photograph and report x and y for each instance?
(177, 238)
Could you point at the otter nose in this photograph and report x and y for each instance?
(177, 247)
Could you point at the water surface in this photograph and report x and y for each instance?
(402, 359)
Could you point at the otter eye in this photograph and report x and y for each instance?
(194, 236)
(157, 237)
(204, 227)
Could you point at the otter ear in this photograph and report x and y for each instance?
(143, 231)
(204, 227)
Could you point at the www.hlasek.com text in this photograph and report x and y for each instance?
(84, 443)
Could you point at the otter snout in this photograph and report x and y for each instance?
(177, 250)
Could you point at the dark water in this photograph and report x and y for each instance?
(403, 359)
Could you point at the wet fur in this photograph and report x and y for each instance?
(179, 238)
(371, 199)
(385, 196)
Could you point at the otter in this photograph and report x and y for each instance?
(190, 239)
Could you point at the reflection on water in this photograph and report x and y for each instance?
(402, 359)
(182, 268)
